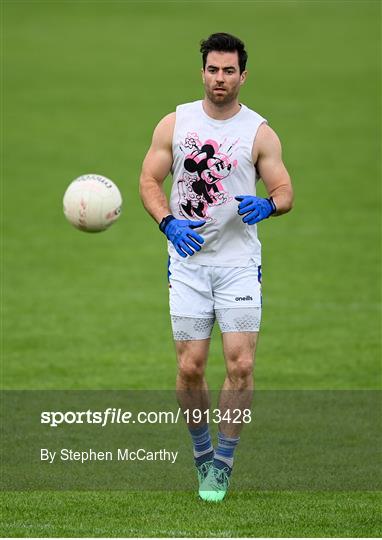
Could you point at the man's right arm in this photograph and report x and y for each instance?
(156, 166)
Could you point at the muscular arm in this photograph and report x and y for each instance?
(267, 156)
(156, 166)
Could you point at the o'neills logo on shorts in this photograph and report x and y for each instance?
(243, 298)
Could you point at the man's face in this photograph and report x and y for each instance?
(221, 77)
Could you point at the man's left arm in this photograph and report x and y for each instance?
(267, 154)
(267, 157)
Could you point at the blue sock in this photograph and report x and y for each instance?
(201, 439)
(224, 452)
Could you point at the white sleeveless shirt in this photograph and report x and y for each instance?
(212, 163)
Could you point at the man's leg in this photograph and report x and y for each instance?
(237, 307)
(236, 395)
(192, 320)
(239, 352)
(191, 385)
(193, 399)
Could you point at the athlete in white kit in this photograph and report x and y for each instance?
(216, 150)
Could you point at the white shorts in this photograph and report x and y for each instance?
(199, 294)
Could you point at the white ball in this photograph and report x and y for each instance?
(92, 203)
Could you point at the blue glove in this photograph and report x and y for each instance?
(254, 208)
(180, 233)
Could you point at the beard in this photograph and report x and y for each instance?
(223, 98)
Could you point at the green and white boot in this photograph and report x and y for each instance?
(203, 471)
(215, 485)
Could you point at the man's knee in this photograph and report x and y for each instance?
(191, 364)
(239, 352)
(240, 370)
(190, 369)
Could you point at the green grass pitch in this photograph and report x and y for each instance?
(84, 84)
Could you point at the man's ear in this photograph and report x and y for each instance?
(243, 77)
(202, 71)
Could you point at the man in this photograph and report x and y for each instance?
(216, 150)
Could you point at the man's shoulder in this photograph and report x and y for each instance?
(164, 130)
(168, 119)
(166, 126)
(266, 142)
(267, 135)
(195, 103)
(191, 106)
(254, 115)
(166, 123)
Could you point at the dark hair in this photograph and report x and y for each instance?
(226, 43)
